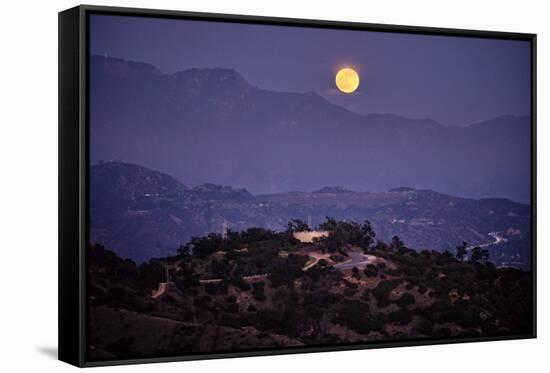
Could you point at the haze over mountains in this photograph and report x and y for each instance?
(211, 126)
(140, 213)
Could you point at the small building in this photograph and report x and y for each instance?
(308, 236)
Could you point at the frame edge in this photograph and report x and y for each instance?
(72, 217)
(69, 248)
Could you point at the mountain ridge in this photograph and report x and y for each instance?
(213, 187)
(213, 126)
(206, 71)
(158, 214)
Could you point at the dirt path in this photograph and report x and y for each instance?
(163, 286)
(314, 259)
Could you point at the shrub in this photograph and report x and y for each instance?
(366, 294)
(356, 316)
(233, 308)
(442, 332)
(371, 270)
(168, 299)
(240, 283)
(382, 291)
(381, 303)
(349, 292)
(231, 299)
(406, 300)
(315, 303)
(424, 327)
(401, 317)
(258, 291)
(211, 288)
(282, 322)
(268, 319)
(150, 274)
(186, 283)
(285, 272)
(351, 285)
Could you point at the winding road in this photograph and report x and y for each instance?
(357, 259)
(497, 240)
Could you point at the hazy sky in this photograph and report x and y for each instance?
(454, 80)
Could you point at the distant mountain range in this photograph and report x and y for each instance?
(140, 213)
(211, 125)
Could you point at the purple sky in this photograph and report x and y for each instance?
(454, 80)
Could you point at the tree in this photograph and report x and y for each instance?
(219, 268)
(461, 251)
(297, 225)
(184, 250)
(402, 317)
(186, 278)
(258, 291)
(406, 300)
(479, 255)
(285, 272)
(256, 234)
(382, 291)
(381, 245)
(151, 273)
(396, 243)
(204, 246)
(241, 283)
(346, 233)
(371, 270)
(368, 235)
(329, 225)
(357, 316)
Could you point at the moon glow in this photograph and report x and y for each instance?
(347, 80)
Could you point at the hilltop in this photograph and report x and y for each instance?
(263, 289)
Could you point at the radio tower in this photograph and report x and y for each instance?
(309, 222)
(224, 229)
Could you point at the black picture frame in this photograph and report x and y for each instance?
(73, 175)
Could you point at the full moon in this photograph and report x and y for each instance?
(347, 80)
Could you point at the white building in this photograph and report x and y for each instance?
(308, 236)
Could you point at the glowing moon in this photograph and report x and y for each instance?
(347, 80)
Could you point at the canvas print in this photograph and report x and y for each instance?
(260, 187)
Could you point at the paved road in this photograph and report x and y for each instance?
(356, 260)
(495, 236)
